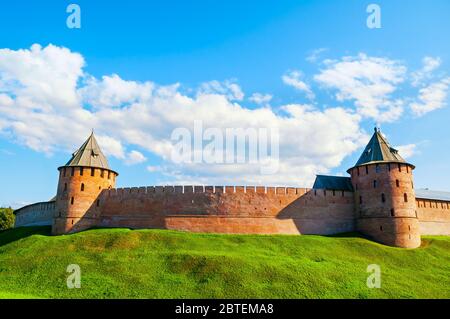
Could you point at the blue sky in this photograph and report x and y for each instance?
(252, 44)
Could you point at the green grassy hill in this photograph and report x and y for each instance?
(122, 263)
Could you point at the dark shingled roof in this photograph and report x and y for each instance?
(379, 151)
(89, 155)
(333, 183)
(429, 194)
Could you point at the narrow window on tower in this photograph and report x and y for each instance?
(64, 172)
(392, 212)
(374, 184)
(399, 167)
(334, 192)
(397, 183)
(367, 170)
(102, 174)
(92, 171)
(405, 197)
(81, 171)
(412, 184)
(82, 187)
(65, 186)
(72, 172)
(389, 167)
(407, 169)
(377, 168)
(98, 202)
(109, 175)
(357, 170)
(383, 198)
(71, 201)
(360, 200)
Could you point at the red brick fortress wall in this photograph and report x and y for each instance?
(38, 214)
(247, 210)
(434, 216)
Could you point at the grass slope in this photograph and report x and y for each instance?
(122, 263)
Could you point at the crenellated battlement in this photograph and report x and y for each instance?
(190, 189)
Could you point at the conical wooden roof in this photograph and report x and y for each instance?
(89, 155)
(378, 150)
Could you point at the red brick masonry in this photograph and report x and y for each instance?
(85, 201)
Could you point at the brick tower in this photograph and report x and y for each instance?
(81, 181)
(384, 195)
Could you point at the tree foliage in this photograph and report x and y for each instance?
(6, 218)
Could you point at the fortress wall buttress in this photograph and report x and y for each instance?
(39, 214)
(434, 216)
(77, 199)
(230, 209)
(385, 204)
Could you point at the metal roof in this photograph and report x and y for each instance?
(333, 183)
(52, 201)
(378, 150)
(430, 194)
(89, 154)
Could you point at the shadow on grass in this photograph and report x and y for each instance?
(347, 235)
(11, 235)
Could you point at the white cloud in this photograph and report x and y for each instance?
(315, 54)
(130, 114)
(429, 65)
(112, 91)
(111, 146)
(153, 169)
(30, 68)
(293, 78)
(259, 98)
(407, 151)
(432, 97)
(135, 157)
(7, 152)
(228, 88)
(369, 82)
